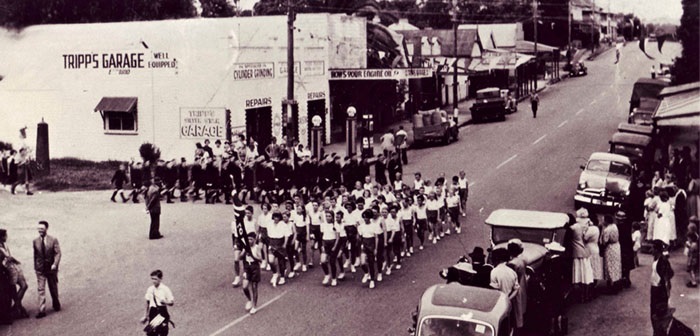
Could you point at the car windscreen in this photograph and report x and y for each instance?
(501, 234)
(434, 326)
(598, 165)
(628, 150)
(620, 168)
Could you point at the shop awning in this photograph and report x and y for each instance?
(682, 111)
(528, 47)
(499, 60)
(117, 104)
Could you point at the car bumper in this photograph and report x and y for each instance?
(597, 201)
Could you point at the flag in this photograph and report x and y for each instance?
(661, 39)
(642, 40)
(239, 214)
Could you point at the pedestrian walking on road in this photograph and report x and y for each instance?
(158, 298)
(401, 140)
(152, 198)
(47, 256)
(118, 179)
(534, 103)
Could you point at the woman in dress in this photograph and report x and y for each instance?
(591, 237)
(581, 272)
(662, 226)
(612, 261)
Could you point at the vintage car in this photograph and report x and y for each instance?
(605, 181)
(646, 87)
(543, 237)
(637, 147)
(490, 104)
(635, 129)
(434, 126)
(578, 69)
(454, 309)
(642, 114)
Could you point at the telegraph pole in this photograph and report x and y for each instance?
(534, 19)
(455, 80)
(568, 4)
(288, 104)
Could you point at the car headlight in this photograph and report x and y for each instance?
(603, 193)
(627, 192)
(583, 185)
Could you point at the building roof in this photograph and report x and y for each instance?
(528, 47)
(671, 90)
(583, 3)
(499, 59)
(679, 109)
(504, 35)
(466, 39)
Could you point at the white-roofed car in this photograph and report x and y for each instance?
(605, 181)
(454, 309)
(543, 235)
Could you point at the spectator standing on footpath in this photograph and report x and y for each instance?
(152, 197)
(534, 103)
(661, 274)
(16, 276)
(47, 256)
(401, 140)
(158, 298)
(387, 141)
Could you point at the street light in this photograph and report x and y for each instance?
(351, 131)
(316, 141)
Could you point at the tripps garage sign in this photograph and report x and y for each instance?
(199, 123)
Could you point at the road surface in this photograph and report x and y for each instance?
(522, 163)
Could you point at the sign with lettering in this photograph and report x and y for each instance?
(315, 95)
(119, 63)
(247, 71)
(258, 102)
(314, 68)
(367, 74)
(205, 122)
(282, 66)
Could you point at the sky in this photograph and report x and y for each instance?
(664, 11)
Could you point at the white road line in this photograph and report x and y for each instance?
(618, 98)
(562, 123)
(593, 102)
(240, 319)
(506, 161)
(472, 184)
(579, 111)
(540, 139)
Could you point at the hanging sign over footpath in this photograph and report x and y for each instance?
(382, 74)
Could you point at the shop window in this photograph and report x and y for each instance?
(119, 114)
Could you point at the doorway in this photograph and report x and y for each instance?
(258, 125)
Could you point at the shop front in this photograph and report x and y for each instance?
(172, 83)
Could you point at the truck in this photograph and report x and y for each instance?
(491, 103)
(434, 126)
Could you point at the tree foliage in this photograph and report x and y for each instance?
(17, 14)
(217, 8)
(149, 152)
(686, 69)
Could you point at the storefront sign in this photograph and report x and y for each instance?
(258, 102)
(365, 74)
(198, 123)
(283, 69)
(314, 68)
(246, 71)
(315, 95)
(119, 63)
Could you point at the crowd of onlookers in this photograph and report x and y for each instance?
(15, 169)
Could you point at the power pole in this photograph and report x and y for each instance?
(455, 80)
(288, 104)
(568, 4)
(534, 20)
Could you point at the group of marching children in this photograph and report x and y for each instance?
(371, 227)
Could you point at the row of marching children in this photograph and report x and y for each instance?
(372, 228)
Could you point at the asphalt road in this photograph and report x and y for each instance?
(522, 163)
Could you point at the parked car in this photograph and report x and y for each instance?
(578, 69)
(635, 129)
(434, 126)
(646, 87)
(454, 309)
(548, 269)
(605, 181)
(490, 104)
(642, 114)
(637, 147)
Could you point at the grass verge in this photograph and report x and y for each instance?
(71, 174)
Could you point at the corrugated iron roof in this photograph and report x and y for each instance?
(117, 104)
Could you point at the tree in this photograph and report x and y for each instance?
(17, 14)
(217, 8)
(686, 68)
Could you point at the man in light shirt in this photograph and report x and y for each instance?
(158, 298)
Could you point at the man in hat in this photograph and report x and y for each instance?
(624, 227)
(462, 272)
(483, 270)
(152, 198)
(661, 274)
(503, 278)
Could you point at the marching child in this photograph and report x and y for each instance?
(118, 180)
(330, 240)
(251, 275)
(369, 247)
(454, 207)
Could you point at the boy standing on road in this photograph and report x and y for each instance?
(158, 298)
(534, 103)
(118, 179)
